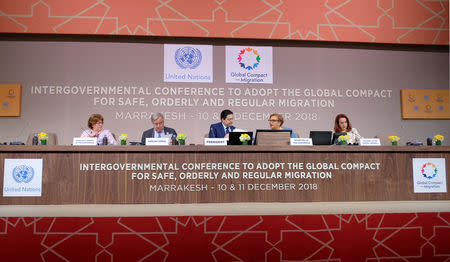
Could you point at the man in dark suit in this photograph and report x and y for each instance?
(225, 126)
(159, 130)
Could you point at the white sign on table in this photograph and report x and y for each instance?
(301, 141)
(215, 141)
(369, 142)
(84, 141)
(154, 141)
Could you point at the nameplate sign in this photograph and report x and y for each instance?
(369, 142)
(84, 141)
(215, 142)
(163, 141)
(301, 142)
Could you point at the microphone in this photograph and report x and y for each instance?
(84, 132)
(17, 137)
(213, 133)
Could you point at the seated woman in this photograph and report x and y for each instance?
(276, 123)
(95, 124)
(342, 125)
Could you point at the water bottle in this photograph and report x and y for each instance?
(174, 139)
(35, 140)
(429, 141)
(105, 140)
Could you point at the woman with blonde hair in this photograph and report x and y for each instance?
(95, 124)
(276, 122)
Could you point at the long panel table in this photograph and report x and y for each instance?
(205, 174)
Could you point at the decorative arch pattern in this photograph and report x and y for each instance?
(380, 21)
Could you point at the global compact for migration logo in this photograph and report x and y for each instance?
(23, 174)
(188, 57)
(429, 170)
(249, 58)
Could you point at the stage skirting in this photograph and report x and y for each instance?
(356, 237)
(284, 221)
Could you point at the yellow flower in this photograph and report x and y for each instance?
(43, 136)
(123, 137)
(244, 137)
(394, 138)
(439, 137)
(181, 136)
(343, 138)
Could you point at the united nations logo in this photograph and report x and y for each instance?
(23, 174)
(188, 57)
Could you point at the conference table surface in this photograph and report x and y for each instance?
(107, 181)
(202, 148)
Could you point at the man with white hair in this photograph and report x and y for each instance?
(158, 130)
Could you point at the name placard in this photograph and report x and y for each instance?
(215, 141)
(84, 141)
(301, 141)
(369, 142)
(163, 141)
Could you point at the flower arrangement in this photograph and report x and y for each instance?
(343, 139)
(438, 139)
(394, 140)
(43, 138)
(181, 138)
(123, 139)
(244, 138)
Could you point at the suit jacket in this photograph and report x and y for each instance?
(151, 133)
(217, 131)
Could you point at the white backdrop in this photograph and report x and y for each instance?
(64, 82)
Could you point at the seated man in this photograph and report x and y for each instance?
(221, 129)
(158, 130)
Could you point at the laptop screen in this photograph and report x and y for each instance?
(320, 137)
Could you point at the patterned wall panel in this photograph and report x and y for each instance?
(382, 21)
(363, 237)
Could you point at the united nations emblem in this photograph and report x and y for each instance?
(188, 57)
(23, 174)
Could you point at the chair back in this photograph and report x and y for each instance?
(52, 138)
(384, 139)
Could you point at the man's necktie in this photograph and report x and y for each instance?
(227, 130)
(159, 135)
